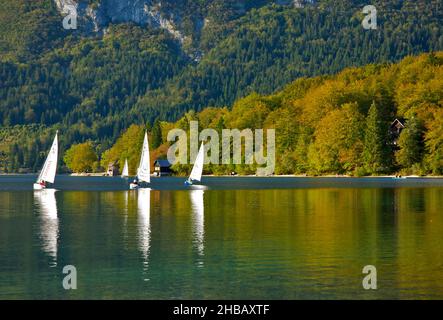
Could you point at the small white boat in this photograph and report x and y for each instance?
(197, 170)
(47, 174)
(144, 168)
(134, 186)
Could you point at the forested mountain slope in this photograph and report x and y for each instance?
(95, 84)
(339, 124)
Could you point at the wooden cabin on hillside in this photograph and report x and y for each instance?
(395, 130)
(162, 168)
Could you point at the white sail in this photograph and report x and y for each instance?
(197, 170)
(125, 172)
(50, 167)
(47, 205)
(143, 172)
(198, 209)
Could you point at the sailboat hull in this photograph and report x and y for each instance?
(38, 186)
(133, 186)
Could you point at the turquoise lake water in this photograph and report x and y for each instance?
(233, 238)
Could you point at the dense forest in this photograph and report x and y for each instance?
(94, 87)
(329, 124)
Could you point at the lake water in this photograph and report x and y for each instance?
(234, 238)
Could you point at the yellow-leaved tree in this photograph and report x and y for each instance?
(81, 158)
(128, 146)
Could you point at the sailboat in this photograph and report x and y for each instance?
(125, 172)
(197, 170)
(47, 175)
(144, 168)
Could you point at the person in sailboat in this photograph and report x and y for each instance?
(135, 182)
(42, 184)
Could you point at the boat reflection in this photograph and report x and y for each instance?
(144, 224)
(49, 228)
(198, 220)
(125, 217)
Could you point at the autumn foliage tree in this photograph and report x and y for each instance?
(434, 143)
(81, 158)
(128, 146)
(338, 141)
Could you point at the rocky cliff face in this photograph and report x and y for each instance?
(167, 14)
(102, 12)
(94, 16)
(184, 19)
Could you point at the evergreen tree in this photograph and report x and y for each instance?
(156, 135)
(376, 151)
(411, 144)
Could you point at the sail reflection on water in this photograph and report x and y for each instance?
(125, 216)
(198, 219)
(144, 224)
(49, 225)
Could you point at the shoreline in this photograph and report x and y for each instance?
(86, 175)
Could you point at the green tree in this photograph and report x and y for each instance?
(81, 158)
(376, 151)
(156, 135)
(411, 144)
